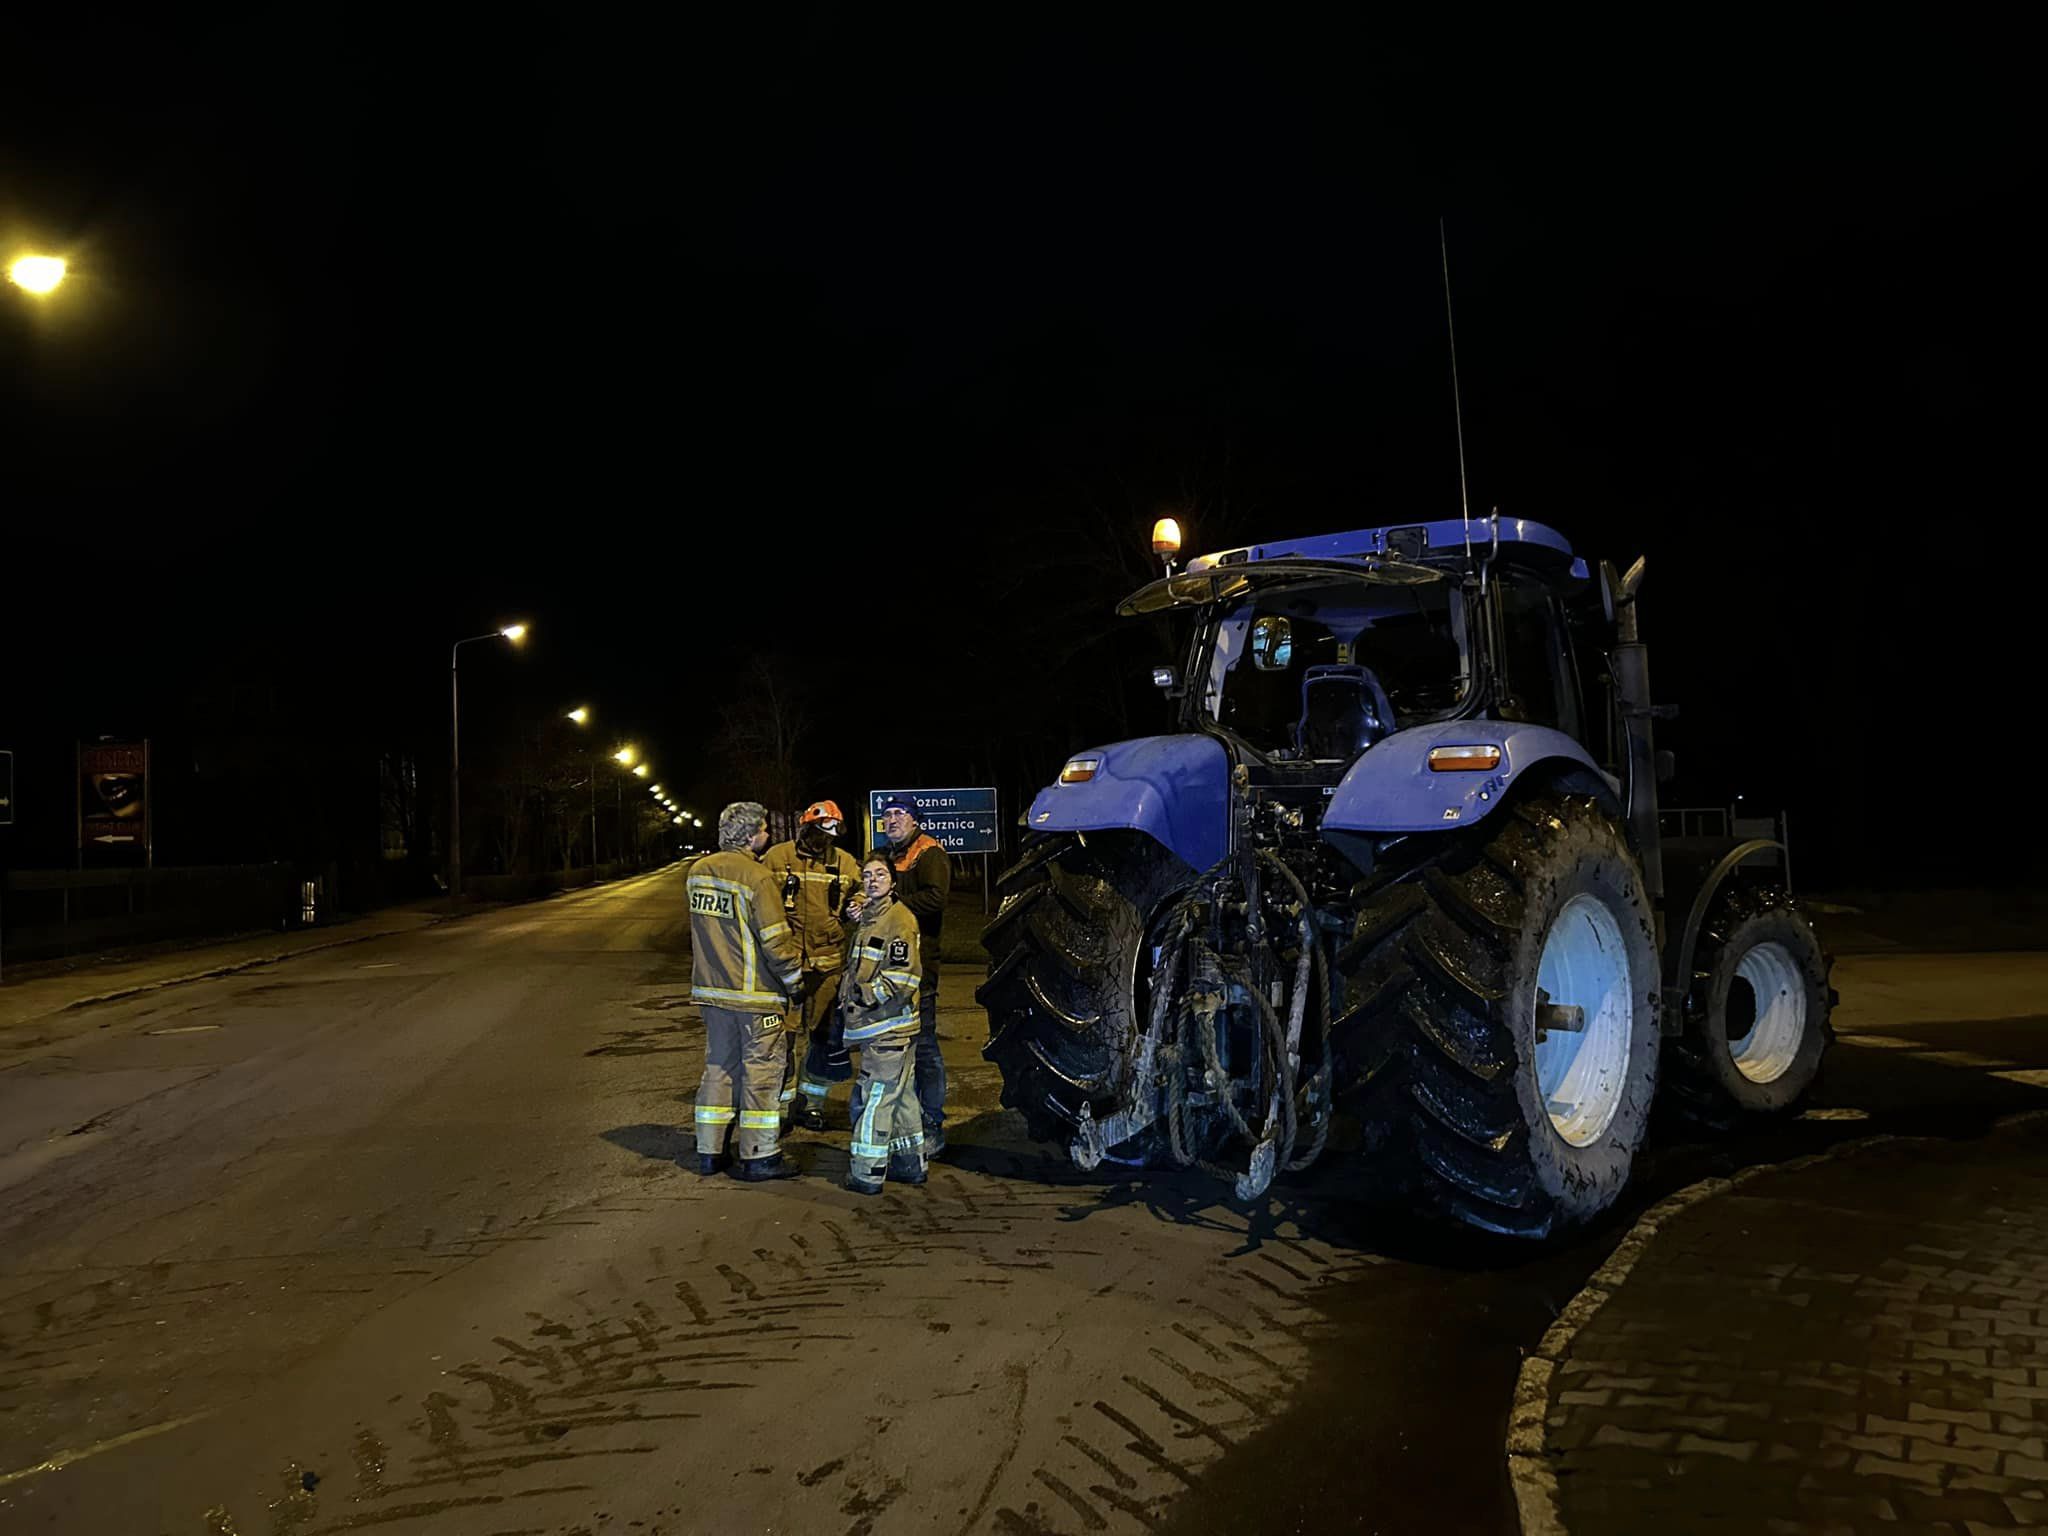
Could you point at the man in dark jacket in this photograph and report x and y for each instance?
(924, 879)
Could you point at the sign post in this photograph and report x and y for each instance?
(961, 821)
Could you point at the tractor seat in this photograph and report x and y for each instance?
(1344, 710)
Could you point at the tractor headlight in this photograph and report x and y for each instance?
(1080, 770)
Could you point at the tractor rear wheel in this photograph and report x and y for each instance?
(1500, 1034)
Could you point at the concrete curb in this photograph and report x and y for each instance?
(1529, 1469)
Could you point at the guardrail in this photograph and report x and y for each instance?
(54, 912)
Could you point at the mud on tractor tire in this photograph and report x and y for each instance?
(1757, 1024)
(1063, 972)
(1501, 1028)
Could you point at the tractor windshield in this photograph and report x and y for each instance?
(1315, 673)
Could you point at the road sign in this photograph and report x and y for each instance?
(6, 789)
(958, 820)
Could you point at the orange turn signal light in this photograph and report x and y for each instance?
(1080, 770)
(1464, 759)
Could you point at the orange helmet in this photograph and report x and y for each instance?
(825, 811)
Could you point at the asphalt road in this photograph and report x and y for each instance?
(393, 1237)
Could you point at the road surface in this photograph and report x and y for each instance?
(394, 1237)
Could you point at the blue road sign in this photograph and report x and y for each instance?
(958, 820)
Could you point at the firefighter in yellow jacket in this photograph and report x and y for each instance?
(744, 969)
(817, 879)
(878, 1004)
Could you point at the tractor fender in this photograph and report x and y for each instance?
(1174, 789)
(1392, 788)
(1678, 973)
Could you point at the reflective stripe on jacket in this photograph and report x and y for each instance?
(742, 954)
(878, 992)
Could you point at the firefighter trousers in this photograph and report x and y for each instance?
(742, 1067)
(886, 1127)
(821, 990)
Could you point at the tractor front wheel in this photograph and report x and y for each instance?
(1757, 1026)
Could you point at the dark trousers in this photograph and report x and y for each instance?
(931, 1066)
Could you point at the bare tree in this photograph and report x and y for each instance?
(761, 735)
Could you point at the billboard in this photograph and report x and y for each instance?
(113, 798)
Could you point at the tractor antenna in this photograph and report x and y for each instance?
(1457, 405)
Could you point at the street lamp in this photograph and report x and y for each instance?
(581, 715)
(37, 274)
(639, 770)
(514, 633)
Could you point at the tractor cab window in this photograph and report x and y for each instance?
(1320, 673)
(1536, 679)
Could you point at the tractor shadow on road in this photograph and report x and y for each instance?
(1336, 1203)
(1904, 1089)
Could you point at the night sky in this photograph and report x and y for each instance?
(874, 344)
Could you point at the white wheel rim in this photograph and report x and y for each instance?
(1582, 1074)
(1767, 1052)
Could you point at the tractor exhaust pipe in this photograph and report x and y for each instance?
(1630, 665)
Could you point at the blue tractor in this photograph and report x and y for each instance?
(1400, 862)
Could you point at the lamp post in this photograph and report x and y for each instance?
(514, 633)
(581, 715)
(626, 757)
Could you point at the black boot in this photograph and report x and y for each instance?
(759, 1170)
(862, 1186)
(906, 1170)
(809, 1113)
(709, 1163)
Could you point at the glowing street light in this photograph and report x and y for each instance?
(580, 714)
(514, 632)
(624, 757)
(639, 770)
(654, 790)
(38, 274)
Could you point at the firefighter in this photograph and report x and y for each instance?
(817, 879)
(744, 968)
(924, 881)
(878, 997)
